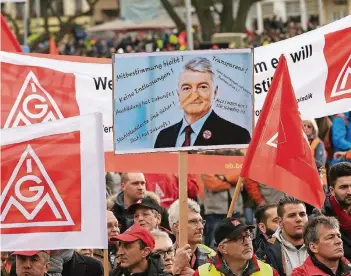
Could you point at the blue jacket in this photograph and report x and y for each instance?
(341, 135)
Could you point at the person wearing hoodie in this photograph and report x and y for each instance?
(286, 250)
(341, 134)
(133, 189)
(135, 254)
(338, 202)
(235, 255)
(324, 246)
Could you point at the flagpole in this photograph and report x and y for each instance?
(235, 196)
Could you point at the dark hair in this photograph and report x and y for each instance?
(310, 232)
(142, 244)
(260, 213)
(287, 200)
(339, 170)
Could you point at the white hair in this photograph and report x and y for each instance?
(200, 64)
(159, 233)
(173, 211)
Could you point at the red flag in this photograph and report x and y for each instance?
(9, 42)
(279, 154)
(53, 48)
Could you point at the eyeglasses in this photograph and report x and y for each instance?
(195, 222)
(164, 253)
(241, 239)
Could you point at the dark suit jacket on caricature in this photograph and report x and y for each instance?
(222, 132)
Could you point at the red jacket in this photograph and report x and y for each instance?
(309, 269)
(166, 187)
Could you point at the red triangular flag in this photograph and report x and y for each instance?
(53, 48)
(9, 42)
(279, 154)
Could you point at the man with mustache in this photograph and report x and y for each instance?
(235, 252)
(338, 202)
(135, 254)
(324, 246)
(267, 223)
(286, 250)
(200, 126)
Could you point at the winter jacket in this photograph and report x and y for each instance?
(217, 267)
(220, 188)
(327, 210)
(341, 134)
(281, 254)
(125, 220)
(155, 268)
(310, 269)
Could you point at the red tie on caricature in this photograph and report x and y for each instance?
(279, 154)
(187, 140)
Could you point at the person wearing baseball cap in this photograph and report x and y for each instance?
(234, 252)
(33, 263)
(135, 246)
(146, 212)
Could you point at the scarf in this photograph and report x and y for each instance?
(343, 217)
(56, 262)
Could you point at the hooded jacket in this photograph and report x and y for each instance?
(281, 254)
(125, 220)
(155, 268)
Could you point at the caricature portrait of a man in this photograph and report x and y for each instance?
(200, 126)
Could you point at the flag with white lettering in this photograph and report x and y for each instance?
(51, 175)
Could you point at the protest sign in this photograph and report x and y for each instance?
(51, 175)
(319, 63)
(315, 75)
(172, 102)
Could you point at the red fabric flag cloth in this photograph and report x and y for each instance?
(279, 154)
(9, 42)
(53, 48)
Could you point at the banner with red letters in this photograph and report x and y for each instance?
(51, 175)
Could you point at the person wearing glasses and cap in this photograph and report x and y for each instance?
(33, 263)
(235, 254)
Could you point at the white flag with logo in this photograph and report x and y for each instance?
(52, 176)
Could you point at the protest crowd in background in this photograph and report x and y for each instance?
(269, 233)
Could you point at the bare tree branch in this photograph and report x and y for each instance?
(172, 13)
(13, 22)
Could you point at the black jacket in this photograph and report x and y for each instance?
(329, 212)
(78, 266)
(270, 252)
(222, 132)
(125, 220)
(155, 268)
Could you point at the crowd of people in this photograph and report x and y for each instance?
(291, 237)
(80, 43)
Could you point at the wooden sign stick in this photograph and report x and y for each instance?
(183, 198)
(106, 263)
(235, 197)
